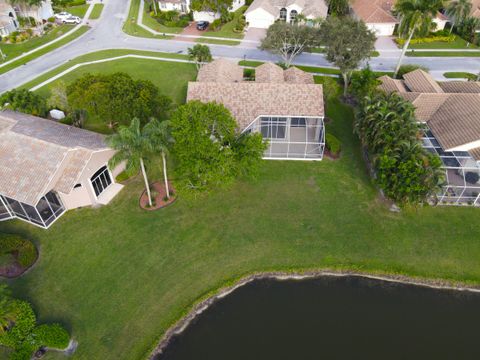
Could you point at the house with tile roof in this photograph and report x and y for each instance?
(263, 13)
(285, 106)
(378, 15)
(450, 115)
(48, 168)
(8, 19)
(183, 7)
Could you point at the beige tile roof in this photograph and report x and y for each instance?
(34, 150)
(220, 70)
(421, 81)
(269, 73)
(475, 153)
(475, 11)
(374, 11)
(390, 85)
(466, 87)
(249, 100)
(427, 105)
(294, 75)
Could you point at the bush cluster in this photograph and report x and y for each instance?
(332, 144)
(388, 129)
(171, 18)
(26, 253)
(429, 39)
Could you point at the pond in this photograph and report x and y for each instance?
(333, 318)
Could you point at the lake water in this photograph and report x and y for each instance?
(333, 318)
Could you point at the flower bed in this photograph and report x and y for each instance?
(16, 255)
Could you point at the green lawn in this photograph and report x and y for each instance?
(227, 29)
(79, 10)
(217, 41)
(155, 25)
(45, 50)
(159, 72)
(117, 277)
(419, 53)
(14, 50)
(96, 11)
(458, 43)
(130, 25)
(460, 75)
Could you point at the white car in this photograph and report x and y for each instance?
(63, 15)
(72, 20)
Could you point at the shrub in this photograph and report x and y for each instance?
(404, 69)
(24, 101)
(472, 177)
(52, 336)
(51, 19)
(425, 40)
(332, 143)
(249, 74)
(240, 24)
(25, 251)
(216, 25)
(363, 82)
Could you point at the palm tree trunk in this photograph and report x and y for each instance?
(345, 83)
(451, 27)
(147, 186)
(404, 50)
(164, 160)
(154, 6)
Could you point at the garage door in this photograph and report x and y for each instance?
(261, 23)
(382, 29)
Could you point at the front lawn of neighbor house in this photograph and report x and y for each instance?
(96, 11)
(79, 10)
(117, 276)
(227, 30)
(458, 43)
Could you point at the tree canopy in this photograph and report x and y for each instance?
(347, 43)
(338, 7)
(208, 150)
(200, 54)
(214, 6)
(387, 127)
(289, 40)
(24, 101)
(117, 98)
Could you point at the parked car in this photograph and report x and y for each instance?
(63, 15)
(202, 25)
(72, 20)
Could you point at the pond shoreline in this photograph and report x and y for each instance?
(203, 305)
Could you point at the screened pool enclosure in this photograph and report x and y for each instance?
(462, 174)
(299, 138)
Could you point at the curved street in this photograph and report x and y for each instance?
(107, 33)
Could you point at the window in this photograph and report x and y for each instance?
(163, 5)
(298, 122)
(293, 15)
(77, 186)
(283, 14)
(101, 180)
(4, 212)
(273, 128)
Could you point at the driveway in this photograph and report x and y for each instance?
(253, 36)
(191, 30)
(385, 43)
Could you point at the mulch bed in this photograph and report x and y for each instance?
(329, 155)
(158, 201)
(14, 269)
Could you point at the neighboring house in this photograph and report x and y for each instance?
(183, 6)
(286, 107)
(47, 168)
(378, 16)
(263, 13)
(475, 11)
(39, 13)
(450, 113)
(8, 19)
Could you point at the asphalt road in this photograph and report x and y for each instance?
(107, 33)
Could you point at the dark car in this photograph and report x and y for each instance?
(202, 25)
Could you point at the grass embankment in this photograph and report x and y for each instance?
(458, 43)
(113, 271)
(131, 27)
(217, 41)
(45, 50)
(460, 75)
(96, 11)
(14, 50)
(419, 53)
(227, 29)
(79, 10)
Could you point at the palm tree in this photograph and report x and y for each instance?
(8, 312)
(159, 134)
(133, 145)
(458, 10)
(200, 54)
(338, 7)
(415, 15)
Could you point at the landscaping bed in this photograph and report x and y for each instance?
(16, 255)
(159, 197)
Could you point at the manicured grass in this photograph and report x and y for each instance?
(458, 43)
(155, 25)
(227, 29)
(117, 277)
(79, 10)
(460, 75)
(45, 50)
(443, 53)
(130, 25)
(159, 72)
(14, 50)
(217, 42)
(96, 11)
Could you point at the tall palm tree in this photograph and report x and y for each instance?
(159, 135)
(415, 15)
(133, 146)
(458, 10)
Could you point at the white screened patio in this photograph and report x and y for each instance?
(291, 138)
